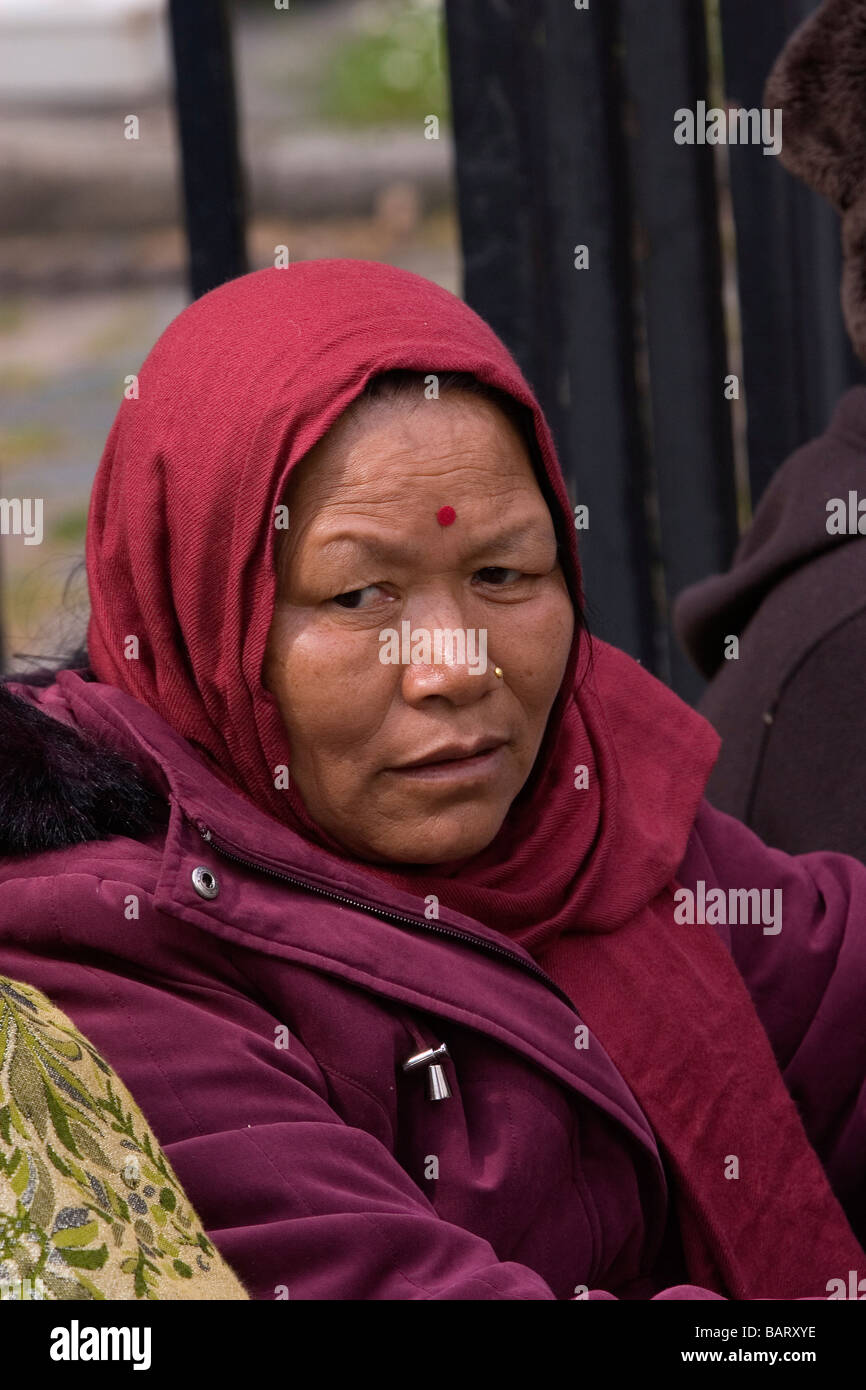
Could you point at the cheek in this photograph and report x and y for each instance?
(331, 696)
(541, 649)
(563, 622)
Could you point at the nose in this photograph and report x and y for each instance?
(445, 658)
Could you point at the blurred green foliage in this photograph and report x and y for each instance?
(392, 69)
(22, 442)
(71, 526)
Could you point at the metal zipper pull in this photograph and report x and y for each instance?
(437, 1082)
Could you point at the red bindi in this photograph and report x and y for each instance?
(446, 515)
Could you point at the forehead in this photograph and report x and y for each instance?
(376, 446)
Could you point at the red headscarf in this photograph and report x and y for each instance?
(181, 556)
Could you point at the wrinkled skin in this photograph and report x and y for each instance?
(380, 475)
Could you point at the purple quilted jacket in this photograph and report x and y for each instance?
(260, 1001)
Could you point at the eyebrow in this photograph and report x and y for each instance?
(382, 549)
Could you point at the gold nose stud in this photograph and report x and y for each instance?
(497, 671)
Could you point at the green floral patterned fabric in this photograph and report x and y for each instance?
(90, 1208)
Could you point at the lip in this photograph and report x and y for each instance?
(453, 764)
(452, 752)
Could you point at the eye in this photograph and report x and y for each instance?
(353, 594)
(497, 570)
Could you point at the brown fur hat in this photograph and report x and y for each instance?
(819, 82)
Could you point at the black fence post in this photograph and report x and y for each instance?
(564, 126)
(207, 128)
(677, 246)
(541, 172)
(797, 358)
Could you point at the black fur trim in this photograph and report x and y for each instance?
(59, 787)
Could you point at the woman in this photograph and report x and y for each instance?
(402, 947)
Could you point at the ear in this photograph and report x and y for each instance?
(819, 82)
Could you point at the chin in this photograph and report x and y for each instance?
(421, 846)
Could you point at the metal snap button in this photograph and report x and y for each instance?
(204, 882)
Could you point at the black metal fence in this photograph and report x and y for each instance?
(797, 354)
(564, 125)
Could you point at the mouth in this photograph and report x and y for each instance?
(453, 763)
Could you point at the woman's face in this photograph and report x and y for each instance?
(365, 554)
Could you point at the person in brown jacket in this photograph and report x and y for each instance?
(786, 694)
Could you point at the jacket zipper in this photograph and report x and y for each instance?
(452, 932)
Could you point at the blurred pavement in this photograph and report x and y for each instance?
(92, 264)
